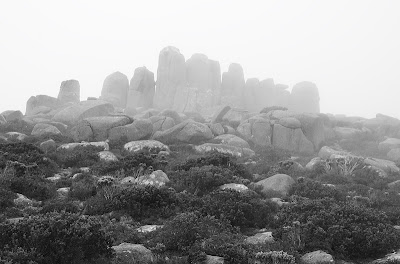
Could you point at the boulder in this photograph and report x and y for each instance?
(317, 257)
(256, 130)
(291, 139)
(172, 114)
(22, 201)
(41, 104)
(148, 228)
(214, 260)
(157, 178)
(161, 123)
(12, 115)
(48, 146)
(133, 253)
(260, 238)
(139, 129)
(231, 140)
(313, 128)
(42, 129)
(171, 77)
(2, 120)
(280, 183)
(15, 136)
(394, 155)
(219, 114)
(115, 89)
(72, 146)
(151, 145)
(141, 90)
(71, 115)
(347, 132)
(226, 149)
(185, 132)
(235, 116)
(62, 193)
(385, 165)
(289, 122)
(107, 156)
(388, 144)
(233, 85)
(314, 163)
(235, 187)
(304, 98)
(195, 117)
(327, 152)
(69, 92)
(217, 129)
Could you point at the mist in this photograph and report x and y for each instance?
(349, 49)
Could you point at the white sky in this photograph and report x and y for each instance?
(349, 48)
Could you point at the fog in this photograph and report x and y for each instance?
(350, 49)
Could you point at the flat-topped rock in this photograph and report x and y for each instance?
(185, 132)
(151, 145)
(226, 149)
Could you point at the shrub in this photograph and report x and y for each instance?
(83, 187)
(273, 257)
(33, 187)
(54, 238)
(343, 228)
(6, 198)
(59, 206)
(80, 156)
(315, 190)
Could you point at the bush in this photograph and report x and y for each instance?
(6, 198)
(59, 207)
(346, 229)
(80, 156)
(83, 187)
(273, 257)
(54, 238)
(315, 190)
(33, 187)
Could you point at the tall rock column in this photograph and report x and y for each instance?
(70, 91)
(115, 89)
(141, 90)
(304, 98)
(171, 77)
(232, 87)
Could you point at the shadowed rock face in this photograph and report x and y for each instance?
(41, 104)
(232, 86)
(115, 89)
(141, 90)
(171, 77)
(70, 91)
(304, 98)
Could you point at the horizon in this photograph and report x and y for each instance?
(348, 49)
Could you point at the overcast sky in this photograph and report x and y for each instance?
(349, 48)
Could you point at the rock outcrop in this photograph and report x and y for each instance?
(141, 90)
(41, 104)
(115, 89)
(70, 92)
(232, 86)
(304, 98)
(188, 131)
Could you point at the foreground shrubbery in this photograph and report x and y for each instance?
(54, 238)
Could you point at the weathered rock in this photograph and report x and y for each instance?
(22, 201)
(2, 120)
(231, 140)
(42, 129)
(171, 77)
(69, 92)
(151, 145)
(133, 253)
(219, 114)
(253, 101)
(256, 130)
(141, 90)
(12, 115)
(41, 104)
(260, 238)
(347, 132)
(217, 129)
(385, 165)
(235, 187)
(388, 144)
(314, 163)
(157, 178)
(197, 117)
(232, 86)
(72, 146)
(139, 129)
(291, 140)
(289, 122)
(327, 152)
(394, 155)
(226, 149)
(186, 132)
(214, 260)
(304, 98)
(147, 114)
(107, 156)
(317, 257)
(148, 228)
(73, 114)
(62, 193)
(115, 89)
(15, 136)
(161, 123)
(173, 114)
(280, 183)
(235, 116)
(197, 72)
(313, 128)
(48, 146)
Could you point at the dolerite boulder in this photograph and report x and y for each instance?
(232, 86)
(220, 113)
(151, 145)
(70, 92)
(384, 165)
(185, 132)
(71, 146)
(41, 104)
(42, 129)
(234, 186)
(217, 129)
(157, 178)
(171, 113)
(394, 155)
(2, 120)
(171, 77)
(256, 130)
(139, 129)
(280, 183)
(327, 153)
(304, 98)
(388, 144)
(225, 149)
(15, 136)
(252, 95)
(107, 156)
(197, 72)
(235, 116)
(313, 128)
(231, 140)
(161, 123)
(115, 89)
(317, 257)
(195, 117)
(97, 128)
(260, 238)
(77, 112)
(133, 253)
(347, 132)
(141, 90)
(383, 125)
(291, 140)
(12, 115)
(48, 146)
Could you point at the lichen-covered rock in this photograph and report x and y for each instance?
(151, 145)
(107, 156)
(394, 155)
(317, 257)
(15, 136)
(260, 238)
(133, 253)
(41, 104)
(226, 149)
(139, 129)
(172, 114)
(235, 187)
(347, 132)
(185, 132)
(388, 144)
(279, 183)
(71, 146)
(231, 140)
(48, 146)
(157, 178)
(217, 129)
(42, 129)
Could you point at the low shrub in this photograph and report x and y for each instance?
(6, 198)
(80, 156)
(315, 190)
(59, 207)
(83, 187)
